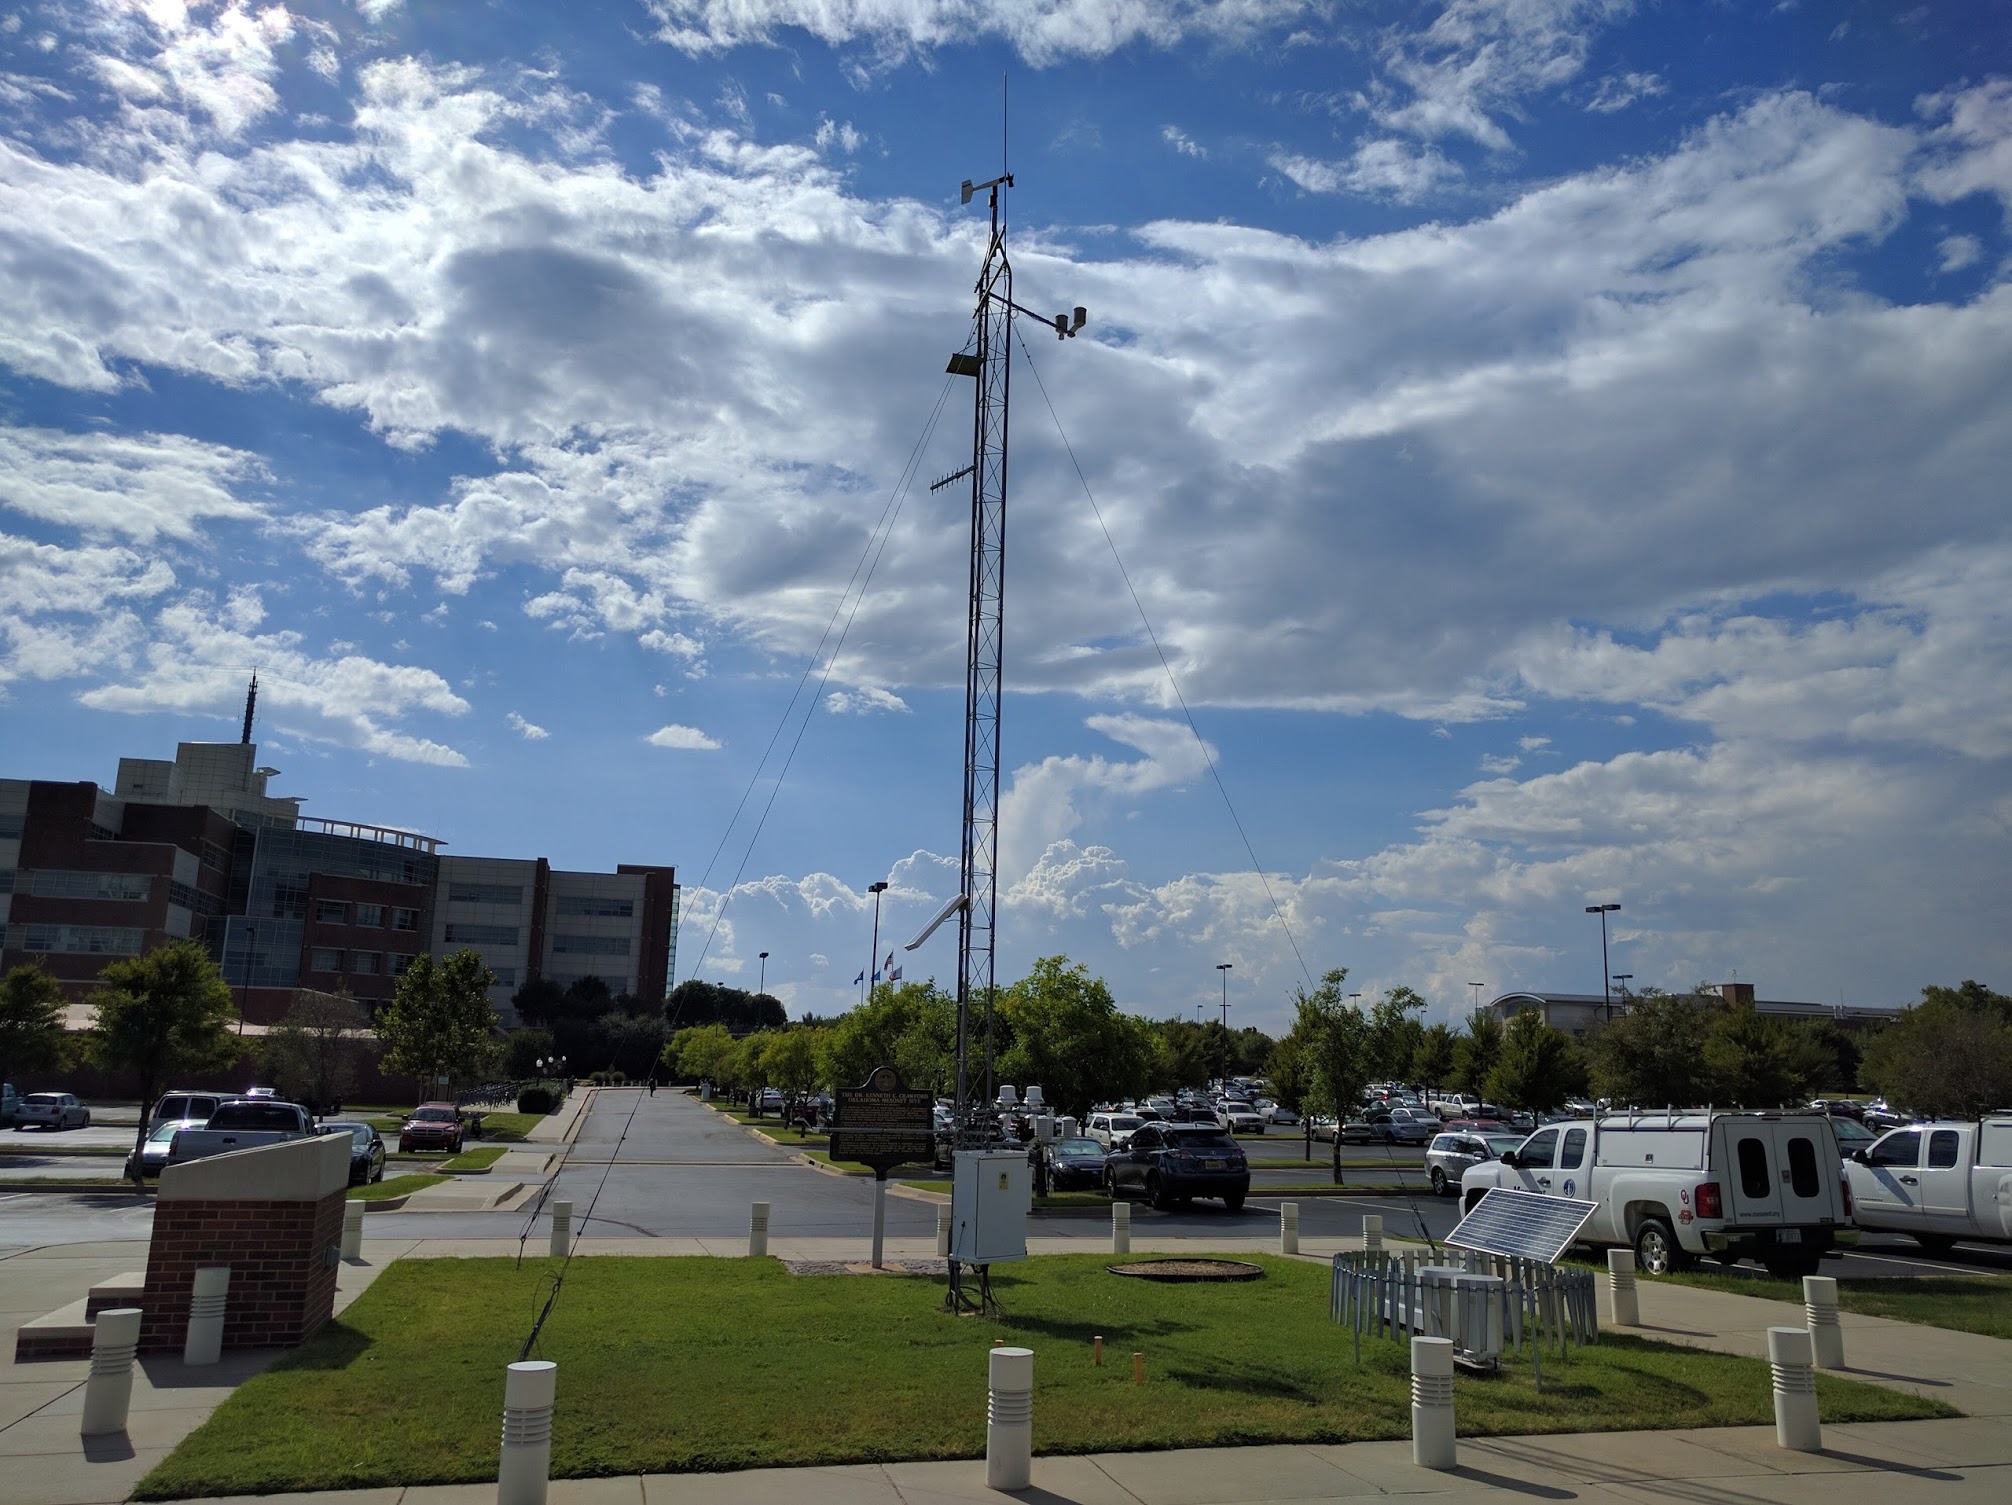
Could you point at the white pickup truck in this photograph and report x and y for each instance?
(241, 1124)
(1939, 1182)
(1676, 1186)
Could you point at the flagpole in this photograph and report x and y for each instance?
(873, 956)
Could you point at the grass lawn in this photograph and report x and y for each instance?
(1965, 1303)
(658, 1359)
(474, 1160)
(394, 1186)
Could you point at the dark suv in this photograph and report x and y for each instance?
(1174, 1163)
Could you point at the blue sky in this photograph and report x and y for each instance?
(1560, 447)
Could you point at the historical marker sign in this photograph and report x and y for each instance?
(883, 1123)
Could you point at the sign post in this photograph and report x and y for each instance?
(883, 1124)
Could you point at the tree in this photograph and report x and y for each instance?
(1973, 997)
(790, 1059)
(439, 1022)
(694, 1001)
(31, 1020)
(698, 1051)
(160, 1015)
(1476, 1052)
(1291, 1074)
(1949, 1056)
(631, 1043)
(1069, 1038)
(1539, 1066)
(1761, 1062)
(911, 1026)
(523, 1049)
(1181, 1055)
(1653, 1056)
(1432, 1062)
(1334, 1036)
(1394, 1034)
(312, 1052)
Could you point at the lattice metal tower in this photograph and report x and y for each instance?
(990, 363)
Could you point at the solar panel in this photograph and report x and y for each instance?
(1522, 1225)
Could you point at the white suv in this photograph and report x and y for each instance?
(1113, 1130)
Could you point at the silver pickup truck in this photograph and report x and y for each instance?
(242, 1124)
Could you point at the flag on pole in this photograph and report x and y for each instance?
(861, 978)
(895, 975)
(888, 965)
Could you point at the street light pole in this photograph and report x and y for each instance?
(873, 961)
(1475, 1006)
(1224, 968)
(762, 986)
(1606, 983)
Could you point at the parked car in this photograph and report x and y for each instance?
(51, 1110)
(1239, 1117)
(432, 1126)
(1111, 1130)
(1076, 1165)
(1838, 1107)
(1408, 1126)
(1450, 1155)
(1851, 1135)
(1172, 1163)
(1278, 1115)
(1880, 1117)
(242, 1123)
(366, 1153)
(1679, 1185)
(1939, 1182)
(179, 1104)
(154, 1153)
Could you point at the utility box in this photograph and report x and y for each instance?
(990, 1194)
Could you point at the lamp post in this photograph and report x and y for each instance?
(762, 986)
(1475, 1006)
(873, 960)
(1606, 983)
(1224, 968)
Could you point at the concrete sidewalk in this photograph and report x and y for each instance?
(43, 1461)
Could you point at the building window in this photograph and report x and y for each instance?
(79, 940)
(592, 904)
(364, 963)
(324, 959)
(331, 912)
(590, 945)
(505, 976)
(52, 883)
(481, 935)
(370, 914)
(401, 964)
(485, 893)
(404, 919)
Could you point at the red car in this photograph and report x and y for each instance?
(432, 1126)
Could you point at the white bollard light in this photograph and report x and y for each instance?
(758, 1231)
(1796, 1426)
(1826, 1334)
(1288, 1227)
(352, 1230)
(1432, 1444)
(1624, 1304)
(1372, 1233)
(1009, 1419)
(1121, 1227)
(943, 1231)
(109, 1391)
(205, 1341)
(562, 1228)
(529, 1389)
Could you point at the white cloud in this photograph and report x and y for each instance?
(684, 738)
(144, 486)
(529, 731)
(1492, 763)
(1619, 90)
(1959, 251)
(1180, 141)
(1386, 168)
(864, 701)
(1533, 743)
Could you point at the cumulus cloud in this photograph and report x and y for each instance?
(142, 486)
(1386, 168)
(866, 701)
(682, 738)
(529, 731)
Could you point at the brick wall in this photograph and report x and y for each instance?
(282, 1286)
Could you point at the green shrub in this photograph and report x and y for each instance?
(537, 1100)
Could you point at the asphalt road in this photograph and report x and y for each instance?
(663, 1165)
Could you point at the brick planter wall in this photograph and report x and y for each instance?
(282, 1286)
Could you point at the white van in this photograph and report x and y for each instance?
(1676, 1186)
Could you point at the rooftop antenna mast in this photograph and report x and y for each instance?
(251, 704)
(989, 364)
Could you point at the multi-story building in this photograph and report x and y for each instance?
(197, 848)
(1583, 1013)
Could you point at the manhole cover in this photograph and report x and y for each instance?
(1188, 1269)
